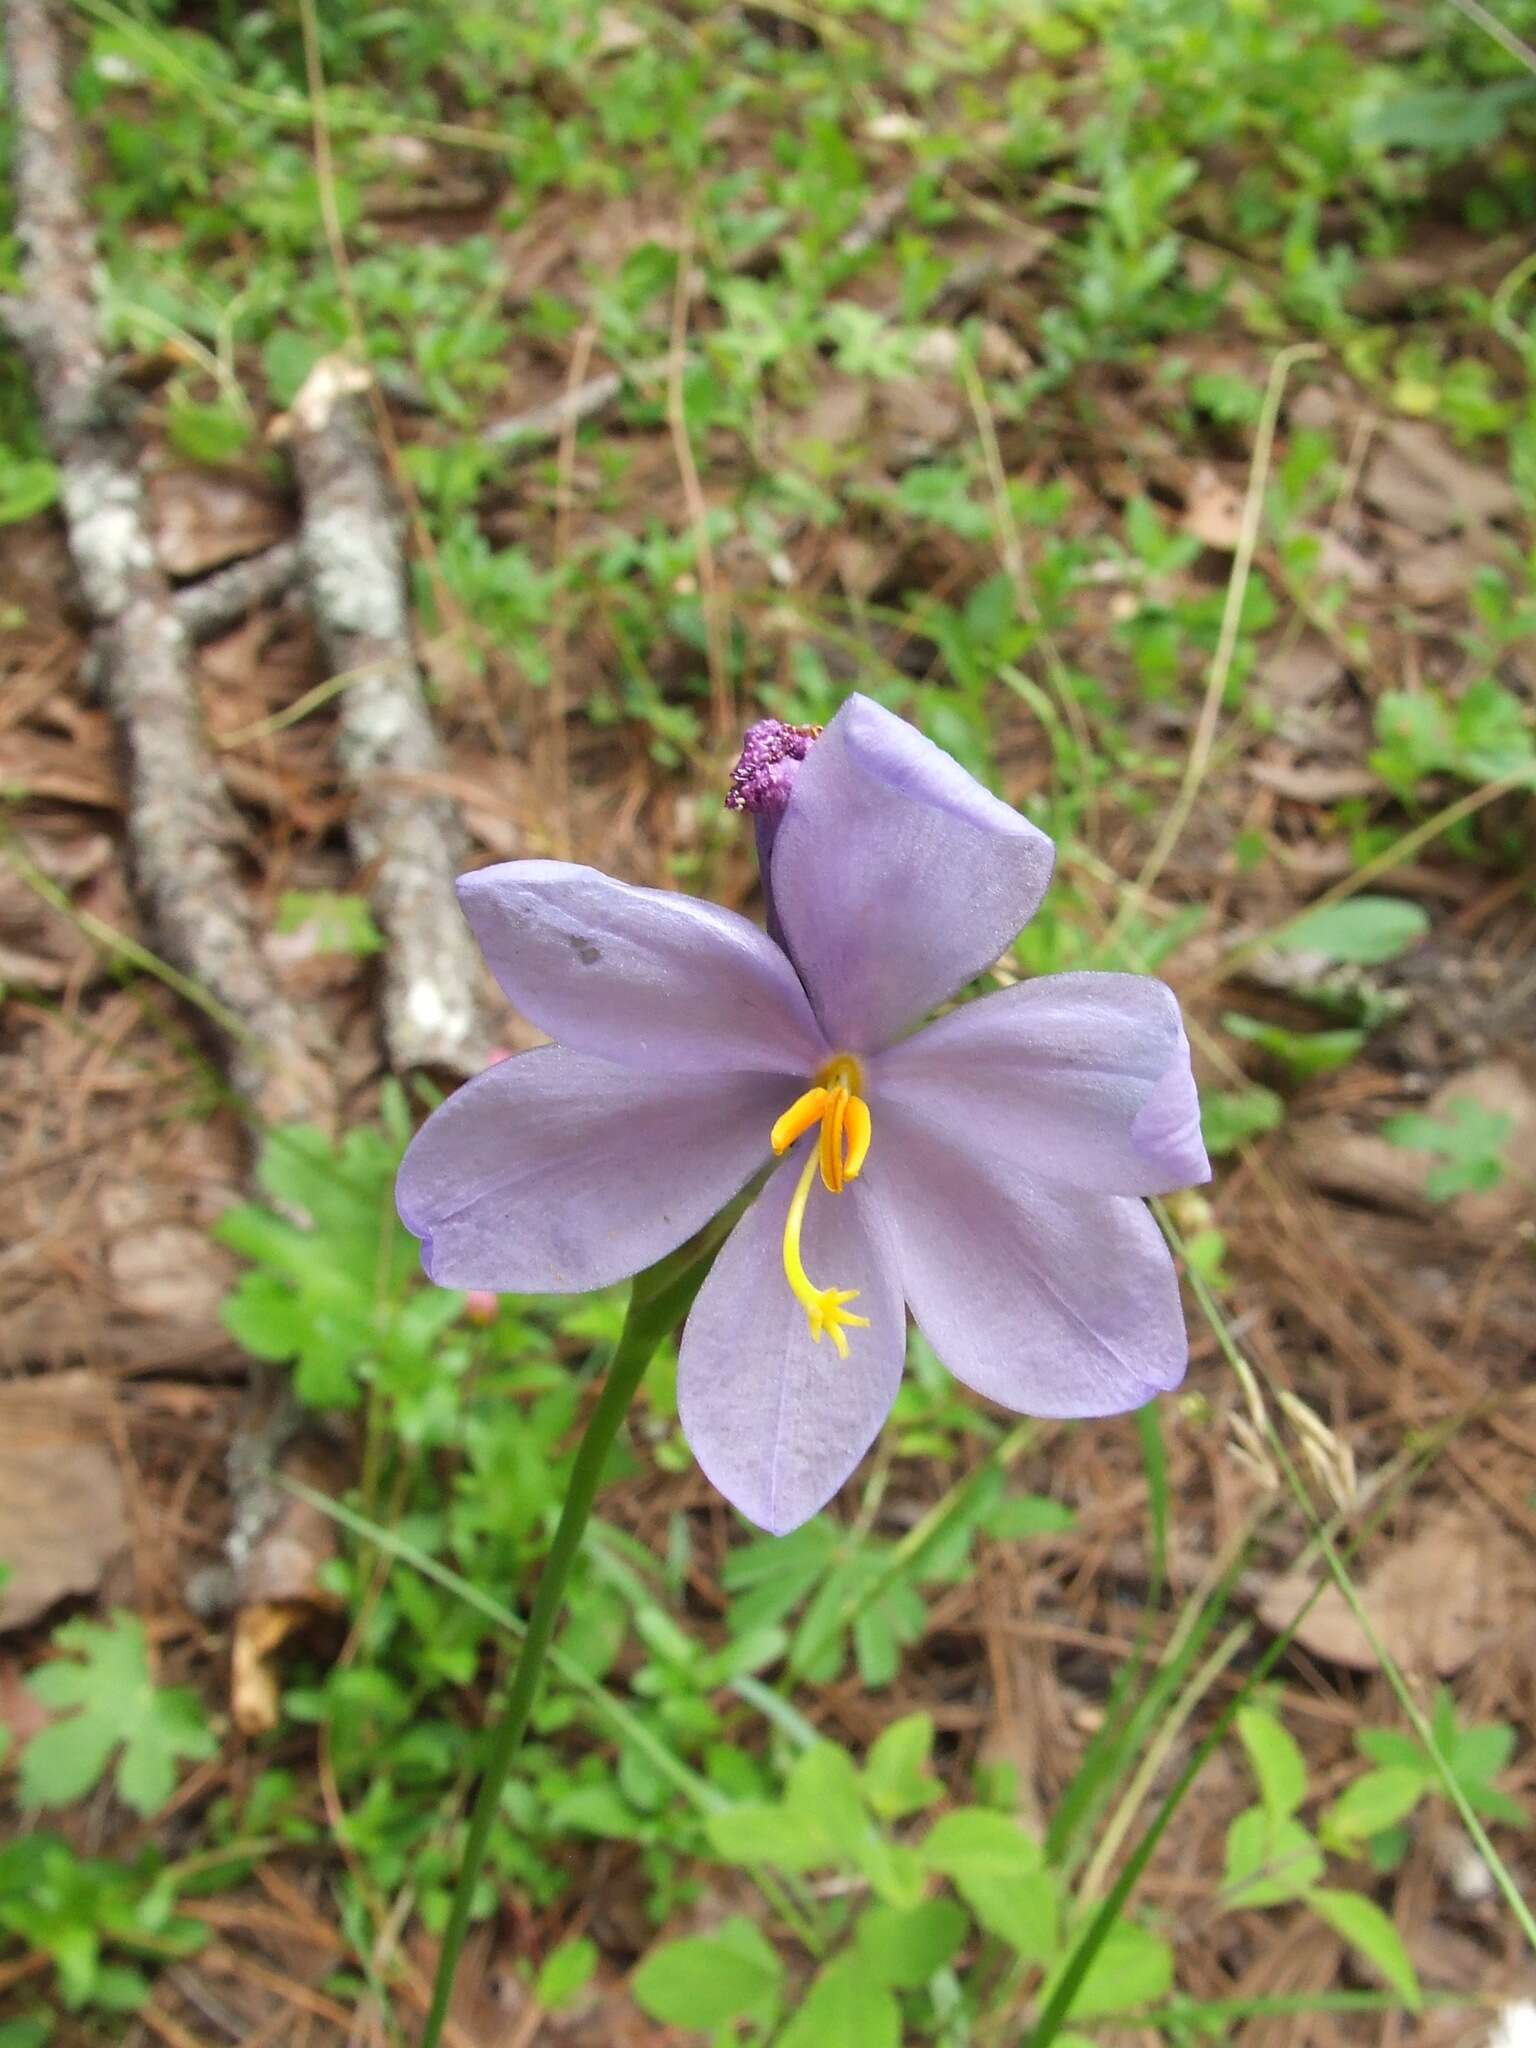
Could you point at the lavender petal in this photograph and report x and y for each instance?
(554, 1172)
(1048, 1301)
(776, 1421)
(642, 977)
(1083, 1079)
(896, 876)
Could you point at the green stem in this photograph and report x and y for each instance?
(658, 1299)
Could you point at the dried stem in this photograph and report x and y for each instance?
(405, 834)
(183, 831)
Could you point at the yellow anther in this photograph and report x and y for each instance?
(857, 1130)
(832, 1118)
(797, 1119)
(826, 1308)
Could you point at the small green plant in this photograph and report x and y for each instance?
(86, 1915)
(1467, 1141)
(1370, 1815)
(337, 922)
(110, 1708)
(1273, 1858)
(973, 1874)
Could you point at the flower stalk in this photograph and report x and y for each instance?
(658, 1300)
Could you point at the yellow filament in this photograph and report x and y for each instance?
(826, 1308)
(840, 1151)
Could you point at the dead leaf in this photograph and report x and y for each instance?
(1435, 1602)
(279, 1595)
(1213, 510)
(62, 1521)
(1301, 673)
(921, 416)
(1436, 574)
(1316, 783)
(1360, 1165)
(204, 518)
(1340, 561)
(1416, 479)
(255, 1692)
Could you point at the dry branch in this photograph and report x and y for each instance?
(216, 603)
(405, 835)
(183, 830)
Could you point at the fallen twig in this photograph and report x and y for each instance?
(183, 831)
(407, 836)
(218, 602)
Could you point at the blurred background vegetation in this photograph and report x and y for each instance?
(1137, 395)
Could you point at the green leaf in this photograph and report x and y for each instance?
(974, 1841)
(28, 2033)
(896, 1779)
(1269, 1860)
(1368, 1930)
(1305, 1053)
(564, 1972)
(1229, 1117)
(1131, 1968)
(206, 433)
(1277, 1762)
(1377, 1801)
(845, 2005)
(338, 921)
(117, 1703)
(1028, 1514)
(64, 1762)
(757, 1832)
(28, 485)
(599, 1810)
(999, 1872)
(1468, 1139)
(119, 1988)
(1363, 931)
(707, 1980)
(823, 1798)
(896, 1872)
(904, 1947)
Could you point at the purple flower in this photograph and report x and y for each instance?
(984, 1173)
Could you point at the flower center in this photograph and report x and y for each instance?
(836, 1105)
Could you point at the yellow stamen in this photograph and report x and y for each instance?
(832, 1140)
(825, 1307)
(797, 1119)
(858, 1130)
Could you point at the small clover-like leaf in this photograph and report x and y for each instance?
(117, 1707)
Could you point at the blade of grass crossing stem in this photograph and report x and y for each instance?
(1154, 1456)
(1104, 1920)
(1058, 2007)
(1449, 1783)
(905, 1557)
(1128, 1718)
(623, 1724)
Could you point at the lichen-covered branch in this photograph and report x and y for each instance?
(216, 603)
(406, 835)
(183, 831)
